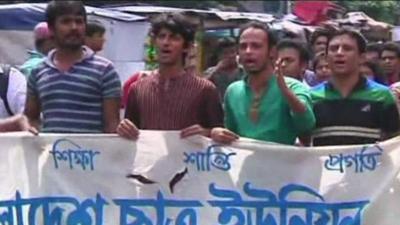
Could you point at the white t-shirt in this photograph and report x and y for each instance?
(16, 93)
(393, 87)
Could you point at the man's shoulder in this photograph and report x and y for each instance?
(236, 87)
(143, 81)
(319, 93)
(99, 62)
(201, 82)
(40, 69)
(378, 92)
(16, 73)
(296, 85)
(209, 70)
(32, 62)
(292, 81)
(100, 59)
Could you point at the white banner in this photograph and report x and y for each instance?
(163, 180)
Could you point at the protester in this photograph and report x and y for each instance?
(319, 40)
(171, 98)
(227, 69)
(264, 105)
(372, 52)
(372, 70)
(321, 68)
(12, 91)
(351, 109)
(94, 37)
(390, 56)
(76, 90)
(43, 44)
(296, 57)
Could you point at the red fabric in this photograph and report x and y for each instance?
(313, 12)
(125, 89)
(173, 104)
(393, 78)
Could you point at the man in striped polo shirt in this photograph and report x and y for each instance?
(171, 98)
(76, 90)
(349, 108)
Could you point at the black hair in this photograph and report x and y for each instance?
(300, 47)
(392, 47)
(360, 39)
(56, 9)
(373, 47)
(318, 33)
(377, 71)
(176, 23)
(320, 56)
(94, 27)
(226, 42)
(258, 25)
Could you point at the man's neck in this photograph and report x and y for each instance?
(346, 84)
(68, 56)
(258, 81)
(231, 68)
(170, 71)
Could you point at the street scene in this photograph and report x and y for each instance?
(200, 112)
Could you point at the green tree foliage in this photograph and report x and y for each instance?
(386, 11)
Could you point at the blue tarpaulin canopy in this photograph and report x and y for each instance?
(25, 16)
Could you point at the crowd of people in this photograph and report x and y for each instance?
(337, 90)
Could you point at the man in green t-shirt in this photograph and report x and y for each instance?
(264, 106)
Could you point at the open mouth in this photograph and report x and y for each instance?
(339, 63)
(165, 51)
(249, 61)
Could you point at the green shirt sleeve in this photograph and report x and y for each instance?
(304, 122)
(229, 120)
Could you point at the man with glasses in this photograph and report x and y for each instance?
(264, 105)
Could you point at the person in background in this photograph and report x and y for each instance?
(43, 44)
(94, 36)
(373, 52)
(12, 91)
(321, 68)
(390, 58)
(319, 40)
(296, 57)
(227, 69)
(372, 70)
(318, 43)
